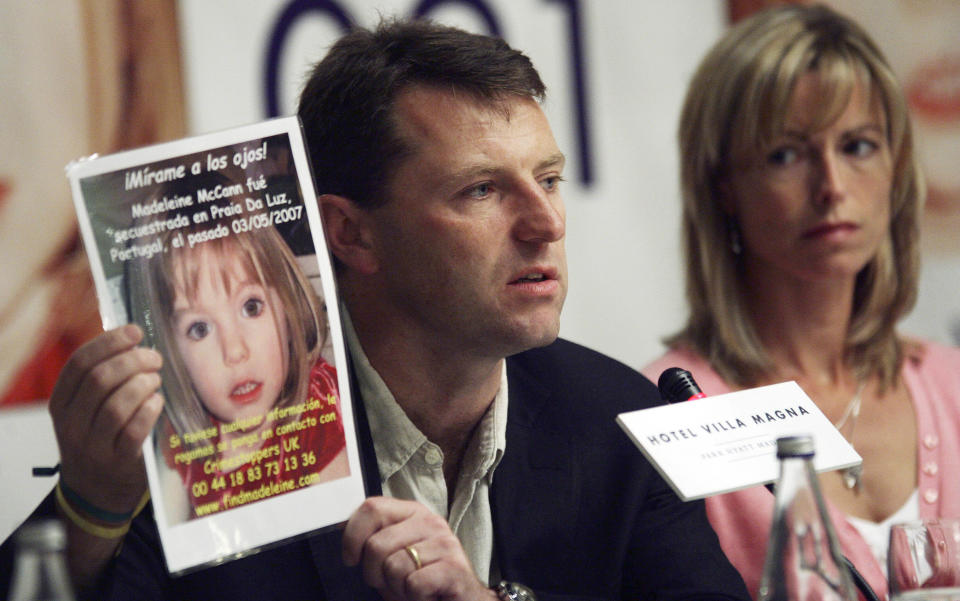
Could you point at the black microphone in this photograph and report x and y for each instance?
(677, 385)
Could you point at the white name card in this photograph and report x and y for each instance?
(728, 442)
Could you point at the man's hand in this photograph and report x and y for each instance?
(103, 406)
(378, 535)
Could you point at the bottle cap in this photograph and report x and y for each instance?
(795, 446)
(42, 535)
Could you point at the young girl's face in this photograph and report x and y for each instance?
(231, 336)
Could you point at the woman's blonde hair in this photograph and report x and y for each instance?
(735, 106)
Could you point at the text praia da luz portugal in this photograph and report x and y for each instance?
(238, 214)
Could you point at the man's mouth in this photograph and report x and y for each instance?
(531, 277)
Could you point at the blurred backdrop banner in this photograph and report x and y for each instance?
(85, 76)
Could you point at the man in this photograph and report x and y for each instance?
(439, 181)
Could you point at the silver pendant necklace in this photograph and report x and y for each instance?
(851, 475)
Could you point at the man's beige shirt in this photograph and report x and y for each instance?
(411, 467)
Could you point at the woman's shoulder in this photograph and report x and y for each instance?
(703, 373)
(932, 369)
(931, 374)
(928, 356)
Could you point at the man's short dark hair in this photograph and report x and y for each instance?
(347, 104)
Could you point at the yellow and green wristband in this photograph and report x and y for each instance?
(70, 501)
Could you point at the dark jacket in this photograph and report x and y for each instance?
(578, 513)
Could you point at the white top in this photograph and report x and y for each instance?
(411, 467)
(877, 535)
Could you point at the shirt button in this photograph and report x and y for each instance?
(930, 495)
(433, 457)
(930, 468)
(930, 441)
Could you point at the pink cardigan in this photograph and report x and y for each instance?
(742, 519)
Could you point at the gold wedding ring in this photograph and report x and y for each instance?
(414, 556)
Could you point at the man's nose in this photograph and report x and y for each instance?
(541, 216)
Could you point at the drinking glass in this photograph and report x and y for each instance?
(924, 560)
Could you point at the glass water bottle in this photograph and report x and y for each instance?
(803, 560)
(39, 569)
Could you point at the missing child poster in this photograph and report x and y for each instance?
(213, 246)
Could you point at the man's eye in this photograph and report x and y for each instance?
(551, 183)
(198, 330)
(479, 191)
(253, 307)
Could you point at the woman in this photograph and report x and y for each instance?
(801, 201)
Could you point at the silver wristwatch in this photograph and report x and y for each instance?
(513, 591)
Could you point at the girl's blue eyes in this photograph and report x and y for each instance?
(198, 330)
(252, 307)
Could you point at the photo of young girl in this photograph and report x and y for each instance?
(252, 406)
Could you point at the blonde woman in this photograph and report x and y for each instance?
(801, 197)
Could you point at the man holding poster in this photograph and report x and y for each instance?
(490, 450)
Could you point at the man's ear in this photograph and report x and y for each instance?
(348, 233)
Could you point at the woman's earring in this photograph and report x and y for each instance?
(733, 229)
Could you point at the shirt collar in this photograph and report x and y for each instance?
(396, 439)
